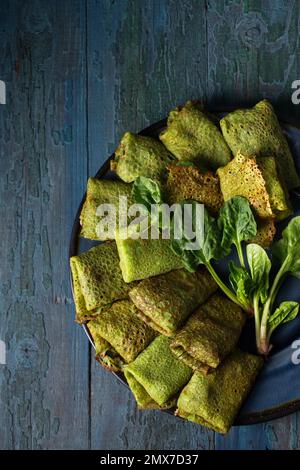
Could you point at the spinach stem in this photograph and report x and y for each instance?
(240, 254)
(223, 286)
(264, 337)
(257, 319)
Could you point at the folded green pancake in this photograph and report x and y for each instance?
(276, 188)
(97, 280)
(119, 334)
(257, 180)
(215, 399)
(192, 135)
(210, 334)
(139, 155)
(156, 377)
(140, 259)
(103, 192)
(165, 301)
(190, 183)
(256, 131)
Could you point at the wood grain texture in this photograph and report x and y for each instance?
(44, 386)
(79, 74)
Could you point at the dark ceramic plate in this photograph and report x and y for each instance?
(277, 391)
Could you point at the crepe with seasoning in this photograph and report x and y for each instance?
(215, 399)
(256, 131)
(192, 135)
(140, 259)
(266, 231)
(210, 334)
(278, 194)
(124, 334)
(156, 377)
(244, 176)
(104, 192)
(165, 301)
(190, 183)
(139, 155)
(97, 280)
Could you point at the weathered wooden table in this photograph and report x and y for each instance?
(78, 74)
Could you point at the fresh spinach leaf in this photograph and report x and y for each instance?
(147, 191)
(260, 265)
(241, 283)
(238, 224)
(287, 311)
(287, 250)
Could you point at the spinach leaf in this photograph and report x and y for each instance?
(208, 246)
(209, 249)
(238, 224)
(211, 243)
(286, 312)
(147, 191)
(260, 265)
(287, 250)
(181, 245)
(241, 283)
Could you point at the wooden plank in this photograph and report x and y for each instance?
(144, 59)
(44, 386)
(280, 434)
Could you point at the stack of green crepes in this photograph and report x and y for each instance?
(168, 330)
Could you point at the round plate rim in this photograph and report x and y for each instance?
(267, 414)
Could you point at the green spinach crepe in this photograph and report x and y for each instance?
(256, 131)
(155, 377)
(190, 183)
(119, 334)
(140, 259)
(214, 400)
(210, 334)
(257, 180)
(192, 135)
(103, 192)
(165, 301)
(276, 188)
(97, 280)
(138, 155)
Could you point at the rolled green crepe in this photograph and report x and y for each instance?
(256, 131)
(192, 135)
(210, 334)
(103, 192)
(188, 182)
(119, 335)
(155, 377)
(106, 355)
(278, 194)
(138, 155)
(97, 280)
(258, 182)
(140, 258)
(165, 301)
(215, 399)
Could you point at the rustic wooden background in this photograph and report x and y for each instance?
(79, 74)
